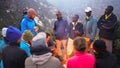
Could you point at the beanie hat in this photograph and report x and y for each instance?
(13, 34)
(27, 35)
(99, 45)
(4, 30)
(39, 39)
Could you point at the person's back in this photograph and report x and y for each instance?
(42, 58)
(13, 57)
(50, 62)
(104, 59)
(108, 60)
(81, 59)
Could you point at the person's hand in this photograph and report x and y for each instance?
(36, 28)
(77, 32)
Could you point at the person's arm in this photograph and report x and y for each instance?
(23, 26)
(79, 30)
(110, 23)
(100, 23)
(94, 29)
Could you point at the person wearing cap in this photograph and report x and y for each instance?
(42, 58)
(12, 55)
(28, 22)
(75, 30)
(90, 27)
(104, 59)
(106, 25)
(26, 42)
(60, 32)
(81, 59)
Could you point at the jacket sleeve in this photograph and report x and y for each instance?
(80, 29)
(110, 23)
(23, 26)
(99, 23)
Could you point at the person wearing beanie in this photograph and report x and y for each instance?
(104, 59)
(26, 42)
(42, 58)
(81, 59)
(12, 55)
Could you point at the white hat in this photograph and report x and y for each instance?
(4, 30)
(88, 9)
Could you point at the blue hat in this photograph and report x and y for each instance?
(13, 34)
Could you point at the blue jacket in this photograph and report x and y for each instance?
(107, 26)
(60, 29)
(25, 46)
(90, 28)
(2, 44)
(28, 24)
(72, 29)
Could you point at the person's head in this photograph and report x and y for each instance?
(47, 37)
(39, 39)
(27, 36)
(99, 46)
(75, 18)
(25, 10)
(13, 35)
(109, 10)
(59, 15)
(88, 11)
(31, 13)
(79, 44)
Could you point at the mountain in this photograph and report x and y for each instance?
(11, 12)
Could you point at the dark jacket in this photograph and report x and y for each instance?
(60, 29)
(72, 29)
(13, 57)
(106, 60)
(107, 26)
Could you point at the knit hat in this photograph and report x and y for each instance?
(39, 39)
(27, 35)
(99, 45)
(4, 30)
(13, 34)
(88, 9)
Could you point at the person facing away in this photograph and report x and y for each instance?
(90, 27)
(28, 22)
(104, 59)
(81, 59)
(26, 42)
(75, 29)
(106, 25)
(60, 31)
(12, 55)
(42, 58)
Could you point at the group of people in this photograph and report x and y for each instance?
(75, 45)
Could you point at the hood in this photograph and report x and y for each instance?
(41, 59)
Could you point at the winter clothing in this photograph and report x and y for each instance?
(13, 57)
(107, 26)
(81, 60)
(60, 29)
(25, 46)
(75, 27)
(39, 39)
(27, 35)
(90, 28)
(13, 34)
(106, 60)
(42, 58)
(28, 24)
